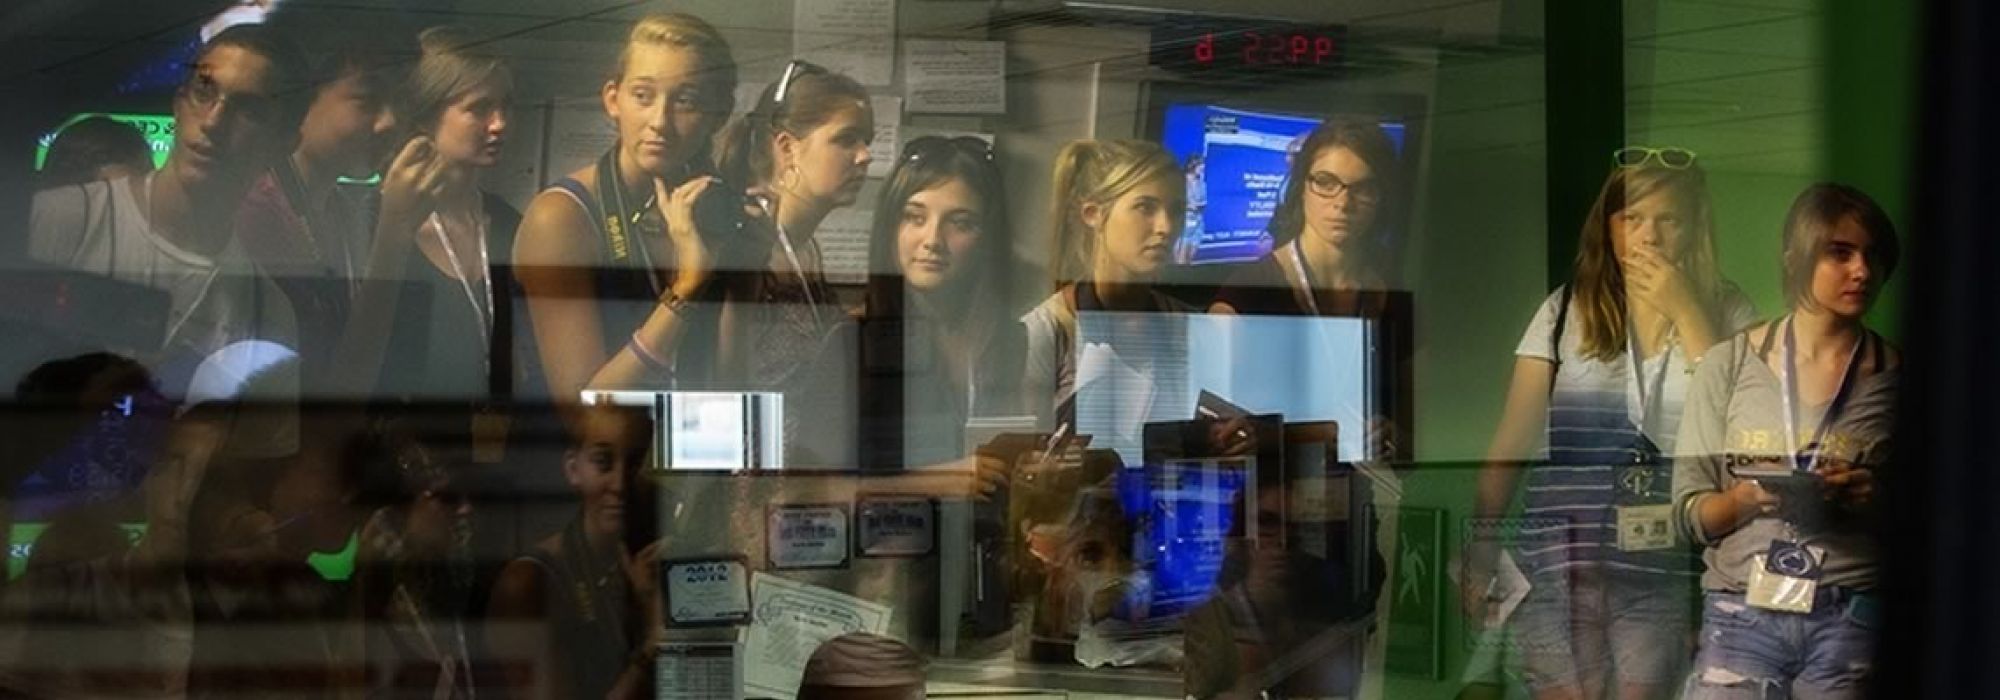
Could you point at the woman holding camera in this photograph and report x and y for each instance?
(610, 257)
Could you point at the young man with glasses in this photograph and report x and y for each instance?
(171, 230)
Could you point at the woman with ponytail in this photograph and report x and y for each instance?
(1118, 207)
(611, 256)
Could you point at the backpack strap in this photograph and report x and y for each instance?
(1556, 336)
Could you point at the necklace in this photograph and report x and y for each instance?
(483, 311)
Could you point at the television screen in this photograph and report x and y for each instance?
(1236, 161)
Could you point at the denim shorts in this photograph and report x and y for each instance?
(1615, 626)
(1752, 653)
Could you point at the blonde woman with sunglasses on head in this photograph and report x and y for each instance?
(1599, 379)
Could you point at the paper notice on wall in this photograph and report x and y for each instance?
(855, 37)
(843, 245)
(790, 621)
(578, 134)
(888, 127)
(956, 77)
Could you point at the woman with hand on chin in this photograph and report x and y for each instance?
(610, 256)
(1599, 379)
(438, 230)
(1787, 424)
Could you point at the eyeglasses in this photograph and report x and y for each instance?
(1328, 185)
(203, 94)
(1670, 157)
(927, 147)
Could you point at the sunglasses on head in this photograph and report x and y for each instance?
(1672, 158)
(925, 148)
(793, 70)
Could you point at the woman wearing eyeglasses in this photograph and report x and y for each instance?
(1787, 425)
(804, 151)
(1329, 260)
(1599, 380)
(1328, 257)
(610, 257)
(935, 315)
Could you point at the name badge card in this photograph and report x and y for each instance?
(799, 536)
(1645, 528)
(714, 591)
(1786, 577)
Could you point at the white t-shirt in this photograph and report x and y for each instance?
(1585, 375)
(99, 227)
(217, 301)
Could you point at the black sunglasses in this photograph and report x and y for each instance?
(925, 148)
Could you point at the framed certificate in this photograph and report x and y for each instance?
(895, 526)
(807, 536)
(711, 591)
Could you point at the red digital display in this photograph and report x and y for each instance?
(1283, 48)
(1266, 48)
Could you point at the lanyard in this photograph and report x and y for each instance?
(620, 219)
(485, 311)
(1833, 407)
(294, 186)
(1308, 296)
(1649, 399)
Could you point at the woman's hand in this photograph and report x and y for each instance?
(414, 183)
(1846, 483)
(642, 573)
(1751, 500)
(1660, 284)
(691, 254)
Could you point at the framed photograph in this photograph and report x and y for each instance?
(807, 536)
(706, 591)
(892, 526)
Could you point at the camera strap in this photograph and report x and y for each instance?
(620, 221)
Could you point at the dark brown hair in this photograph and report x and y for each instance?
(812, 99)
(1811, 220)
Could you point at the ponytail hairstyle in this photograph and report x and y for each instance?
(1598, 282)
(684, 31)
(1091, 171)
(805, 98)
(451, 64)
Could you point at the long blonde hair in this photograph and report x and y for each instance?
(1598, 283)
(1096, 171)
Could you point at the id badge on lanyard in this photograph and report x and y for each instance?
(1643, 524)
(1786, 576)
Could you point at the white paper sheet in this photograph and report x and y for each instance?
(855, 37)
(888, 127)
(790, 621)
(956, 77)
(843, 245)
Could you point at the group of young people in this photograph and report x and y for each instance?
(1694, 480)
(685, 257)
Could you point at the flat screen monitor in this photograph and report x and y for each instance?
(1236, 162)
(1140, 368)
